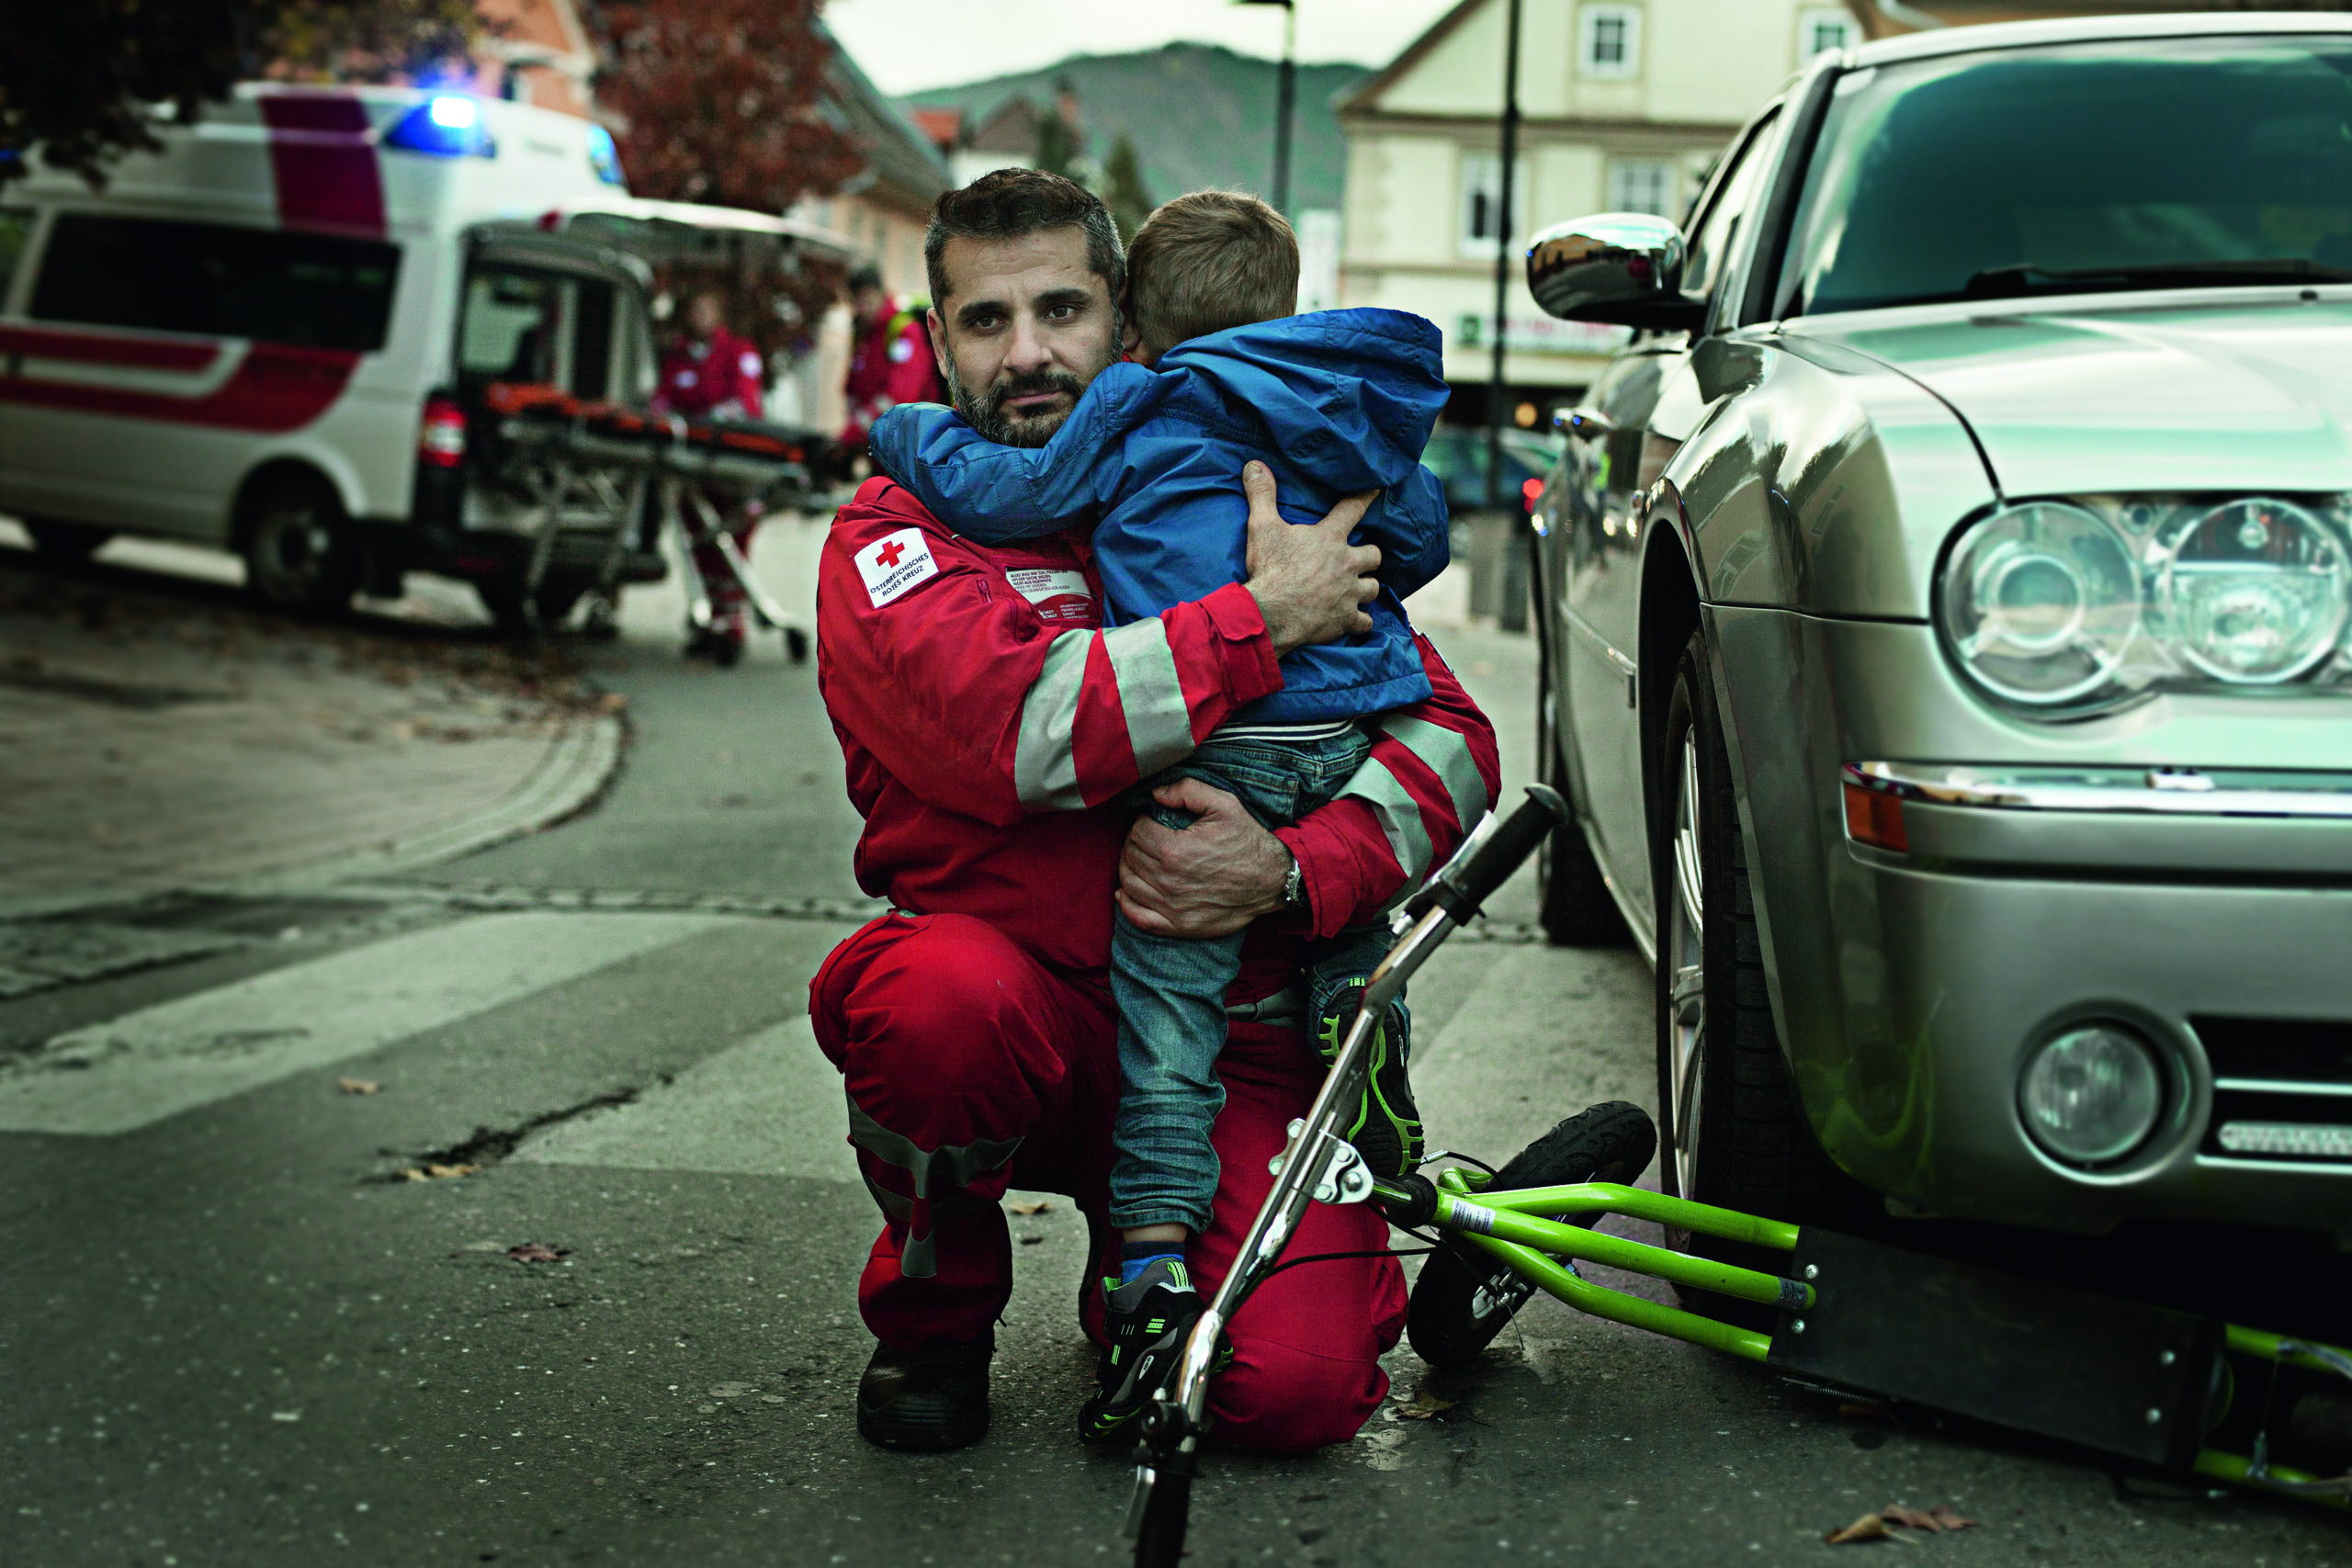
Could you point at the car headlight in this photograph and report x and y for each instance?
(2092, 1094)
(2252, 592)
(2041, 602)
(2068, 606)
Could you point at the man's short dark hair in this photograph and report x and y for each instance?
(866, 277)
(1009, 203)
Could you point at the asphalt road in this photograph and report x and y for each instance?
(233, 1333)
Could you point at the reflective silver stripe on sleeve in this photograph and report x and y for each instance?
(1045, 769)
(1400, 819)
(1448, 756)
(1158, 727)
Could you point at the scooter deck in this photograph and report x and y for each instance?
(2119, 1376)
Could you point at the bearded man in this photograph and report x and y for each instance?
(990, 727)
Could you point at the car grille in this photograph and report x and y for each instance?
(2282, 1089)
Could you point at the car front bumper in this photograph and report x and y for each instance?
(1910, 985)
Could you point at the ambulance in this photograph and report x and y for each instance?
(276, 334)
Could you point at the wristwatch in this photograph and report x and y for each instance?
(1293, 886)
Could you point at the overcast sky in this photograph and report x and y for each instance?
(907, 45)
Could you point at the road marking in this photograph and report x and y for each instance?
(137, 1069)
(768, 1105)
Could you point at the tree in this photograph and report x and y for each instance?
(1123, 191)
(80, 85)
(1060, 149)
(725, 101)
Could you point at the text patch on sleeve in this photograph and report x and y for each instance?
(894, 564)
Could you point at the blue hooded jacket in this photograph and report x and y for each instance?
(1334, 403)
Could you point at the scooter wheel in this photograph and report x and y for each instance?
(1464, 1296)
(1160, 1542)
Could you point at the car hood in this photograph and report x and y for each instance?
(2243, 393)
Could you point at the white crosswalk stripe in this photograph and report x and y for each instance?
(137, 1069)
(770, 1105)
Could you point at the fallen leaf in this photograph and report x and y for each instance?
(1424, 1405)
(612, 701)
(1038, 1207)
(356, 1086)
(1947, 1516)
(533, 1252)
(1911, 1519)
(1870, 1526)
(434, 1172)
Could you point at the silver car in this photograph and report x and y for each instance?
(1944, 605)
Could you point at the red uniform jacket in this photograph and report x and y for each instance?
(697, 378)
(891, 363)
(990, 726)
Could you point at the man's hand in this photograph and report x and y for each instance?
(1206, 880)
(1309, 581)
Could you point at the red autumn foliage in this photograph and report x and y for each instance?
(724, 102)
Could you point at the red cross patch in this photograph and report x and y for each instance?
(894, 564)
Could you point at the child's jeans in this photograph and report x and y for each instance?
(1171, 990)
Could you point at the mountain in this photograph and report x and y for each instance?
(1200, 115)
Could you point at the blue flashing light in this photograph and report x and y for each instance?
(444, 125)
(605, 158)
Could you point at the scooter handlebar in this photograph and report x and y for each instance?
(1489, 856)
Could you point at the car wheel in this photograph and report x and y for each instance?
(59, 541)
(1732, 1132)
(1573, 902)
(300, 554)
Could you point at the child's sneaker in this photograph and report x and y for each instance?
(1146, 1320)
(1386, 1127)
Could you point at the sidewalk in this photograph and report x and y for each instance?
(159, 737)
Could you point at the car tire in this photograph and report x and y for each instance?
(1731, 1132)
(301, 552)
(57, 541)
(1573, 901)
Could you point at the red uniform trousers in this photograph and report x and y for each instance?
(971, 1066)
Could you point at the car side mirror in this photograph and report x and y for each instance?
(1620, 267)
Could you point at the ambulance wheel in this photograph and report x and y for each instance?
(58, 541)
(300, 553)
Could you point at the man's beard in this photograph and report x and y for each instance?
(987, 414)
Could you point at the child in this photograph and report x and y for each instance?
(1335, 403)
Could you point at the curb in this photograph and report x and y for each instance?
(569, 780)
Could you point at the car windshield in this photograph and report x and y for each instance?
(2166, 162)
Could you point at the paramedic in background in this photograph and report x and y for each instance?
(708, 372)
(891, 360)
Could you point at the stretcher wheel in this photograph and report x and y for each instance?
(796, 645)
(1464, 1295)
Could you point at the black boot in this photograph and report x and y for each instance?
(934, 1398)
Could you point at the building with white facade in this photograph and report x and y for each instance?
(1623, 105)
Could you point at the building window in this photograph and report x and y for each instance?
(1482, 200)
(1641, 185)
(1821, 30)
(1611, 46)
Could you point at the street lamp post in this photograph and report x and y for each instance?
(1285, 98)
(1502, 258)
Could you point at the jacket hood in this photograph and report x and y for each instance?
(2223, 394)
(1350, 395)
